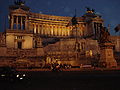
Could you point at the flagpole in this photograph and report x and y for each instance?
(74, 23)
(4, 27)
(117, 29)
(76, 43)
(119, 40)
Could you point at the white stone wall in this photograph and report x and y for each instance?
(117, 45)
(10, 41)
(28, 42)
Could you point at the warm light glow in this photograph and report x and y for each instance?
(17, 76)
(90, 52)
(23, 74)
(2, 75)
(21, 78)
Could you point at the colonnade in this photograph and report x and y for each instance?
(51, 30)
(18, 22)
(97, 27)
(55, 30)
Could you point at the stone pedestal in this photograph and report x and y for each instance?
(40, 52)
(3, 51)
(107, 59)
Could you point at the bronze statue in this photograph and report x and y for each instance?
(104, 35)
(89, 9)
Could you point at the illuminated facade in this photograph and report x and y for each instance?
(34, 39)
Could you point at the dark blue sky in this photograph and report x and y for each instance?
(109, 9)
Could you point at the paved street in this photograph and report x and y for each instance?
(75, 80)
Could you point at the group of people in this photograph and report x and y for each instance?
(57, 67)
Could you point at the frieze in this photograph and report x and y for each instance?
(19, 11)
(21, 52)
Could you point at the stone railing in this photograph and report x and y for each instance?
(19, 31)
(49, 17)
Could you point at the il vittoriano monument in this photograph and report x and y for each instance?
(36, 40)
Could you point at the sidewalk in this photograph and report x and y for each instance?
(74, 69)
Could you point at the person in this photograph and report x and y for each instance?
(56, 67)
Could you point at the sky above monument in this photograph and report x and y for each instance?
(109, 9)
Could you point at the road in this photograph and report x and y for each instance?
(75, 80)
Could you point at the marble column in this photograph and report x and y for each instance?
(62, 31)
(58, 31)
(17, 22)
(38, 28)
(48, 29)
(21, 23)
(34, 28)
(42, 30)
(45, 33)
(67, 31)
(51, 30)
(12, 22)
(55, 30)
(26, 23)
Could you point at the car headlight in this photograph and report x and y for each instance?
(17, 76)
(21, 78)
(2, 75)
(23, 75)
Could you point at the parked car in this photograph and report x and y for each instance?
(10, 74)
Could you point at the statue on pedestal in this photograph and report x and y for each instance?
(104, 35)
(107, 59)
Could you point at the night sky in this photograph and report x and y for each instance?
(109, 9)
